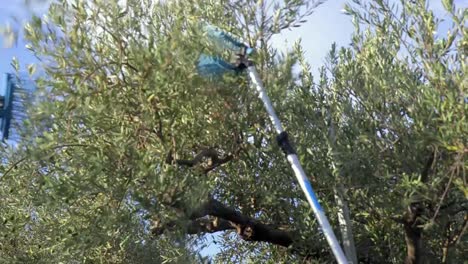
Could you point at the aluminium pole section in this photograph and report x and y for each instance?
(298, 171)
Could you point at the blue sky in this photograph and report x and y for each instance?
(325, 26)
(328, 24)
(8, 10)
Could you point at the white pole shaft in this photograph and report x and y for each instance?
(299, 172)
(265, 99)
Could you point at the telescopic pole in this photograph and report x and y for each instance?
(297, 168)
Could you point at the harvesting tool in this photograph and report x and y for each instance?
(211, 66)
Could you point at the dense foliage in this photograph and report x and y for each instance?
(130, 156)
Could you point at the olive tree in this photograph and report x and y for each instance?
(130, 156)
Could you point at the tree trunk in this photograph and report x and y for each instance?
(344, 218)
(345, 223)
(413, 235)
(412, 221)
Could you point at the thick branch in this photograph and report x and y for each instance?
(413, 234)
(412, 220)
(198, 226)
(212, 216)
(209, 225)
(428, 166)
(248, 228)
(215, 160)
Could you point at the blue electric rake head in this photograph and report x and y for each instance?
(212, 66)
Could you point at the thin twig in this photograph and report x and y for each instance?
(25, 157)
(442, 198)
(13, 166)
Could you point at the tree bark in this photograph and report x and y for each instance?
(412, 222)
(344, 217)
(209, 225)
(248, 228)
(413, 235)
(215, 160)
(346, 228)
(212, 216)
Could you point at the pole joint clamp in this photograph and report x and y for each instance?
(284, 144)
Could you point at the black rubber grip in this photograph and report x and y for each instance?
(284, 144)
